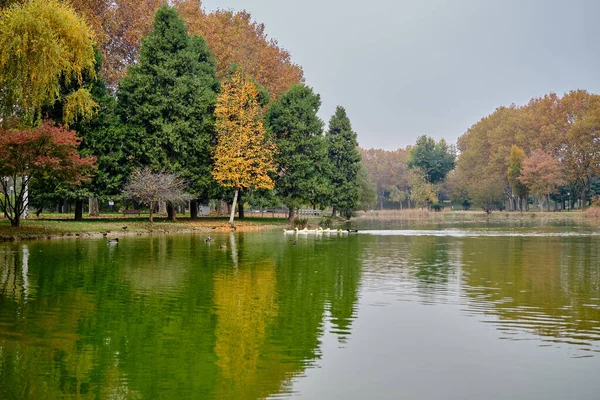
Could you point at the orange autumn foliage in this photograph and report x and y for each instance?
(233, 38)
(119, 27)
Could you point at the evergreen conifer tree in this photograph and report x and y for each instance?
(167, 101)
(302, 158)
(344, 160)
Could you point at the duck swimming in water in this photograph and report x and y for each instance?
(113, 241)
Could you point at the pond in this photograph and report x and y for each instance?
(397, 310)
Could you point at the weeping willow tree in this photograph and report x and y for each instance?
(43, 44)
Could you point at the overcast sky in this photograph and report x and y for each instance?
(406, 68)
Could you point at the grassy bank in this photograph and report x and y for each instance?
(458, 216)
(51, 226)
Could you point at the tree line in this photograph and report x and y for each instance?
(412, 177)
(207, 119)
(545, 152)
(548, 148)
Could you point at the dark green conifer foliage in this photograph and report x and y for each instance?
(344, 160)
(167, 102)
(302, 155)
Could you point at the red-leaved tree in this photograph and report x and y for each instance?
(49, 151)
(542, 174)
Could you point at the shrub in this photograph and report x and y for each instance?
(594, 210)
(437, 207)
(300, 223)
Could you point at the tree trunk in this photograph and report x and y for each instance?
(232, 214)
(78, 210)
(94, 208)
(334, 212)
(171, 212)
(583, 192)
(152, 205)
(16, 221)
(194, 209)
(240, 206)
(291, 215)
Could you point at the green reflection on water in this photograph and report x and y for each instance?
(169, 317)
(550, 286)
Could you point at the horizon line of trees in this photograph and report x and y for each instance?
(544, 152)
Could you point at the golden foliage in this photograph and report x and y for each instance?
(80, 105)
(41, 43)
(244, 156)
(245, 303)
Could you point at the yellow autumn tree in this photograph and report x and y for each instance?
(244, 155)
(43, 43)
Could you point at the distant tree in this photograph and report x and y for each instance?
(244, 155)
(387, 169)
(434, 159)
(542, 174)
(150, 188)
(367, 194)
(344, 160)
(515, 166)
(486, 192)
(302, 176)
(167, 102)
(457, 191)
(397, 195)
(46, 152)
(481, 168)
(422, 192)
(43, 43)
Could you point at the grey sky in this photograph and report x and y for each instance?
(406, 68)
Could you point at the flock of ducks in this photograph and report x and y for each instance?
(319, 230)
(223, 246)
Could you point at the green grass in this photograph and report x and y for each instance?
(50, 225)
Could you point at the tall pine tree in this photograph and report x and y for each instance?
(344, 160)
(167, 101)
(302, 158)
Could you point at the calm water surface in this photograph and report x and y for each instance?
(467, 311)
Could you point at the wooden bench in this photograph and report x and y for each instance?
(131, 212)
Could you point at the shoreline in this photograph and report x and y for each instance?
(90, 228)
(111, 226)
